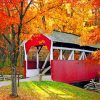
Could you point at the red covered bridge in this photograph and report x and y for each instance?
(68, 65)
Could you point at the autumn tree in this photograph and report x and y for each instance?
(81, 17)
(94, 36)
(22, 18)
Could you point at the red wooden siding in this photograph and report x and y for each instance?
(73, 71)
(32, 64)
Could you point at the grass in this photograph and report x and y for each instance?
(47, 90)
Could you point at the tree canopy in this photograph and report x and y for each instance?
(20, 19)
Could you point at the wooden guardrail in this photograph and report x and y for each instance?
(1, 77)
(8, 77)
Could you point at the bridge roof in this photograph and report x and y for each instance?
(67, 38)
(56, 37)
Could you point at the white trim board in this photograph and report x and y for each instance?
(63, 48)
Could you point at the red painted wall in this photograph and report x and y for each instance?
(33, 64)
(73, 71)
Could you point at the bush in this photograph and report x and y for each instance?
(7, 70)
(1, 65)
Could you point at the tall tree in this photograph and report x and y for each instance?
(17, 18)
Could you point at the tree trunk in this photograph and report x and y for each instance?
(13, 75)
(14, 84)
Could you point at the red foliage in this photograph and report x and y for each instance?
(96, 3)
(9, 3)
(94, 37)
(94, 57)
(6, 21)
(56, 55)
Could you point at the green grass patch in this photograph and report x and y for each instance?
(48, 90)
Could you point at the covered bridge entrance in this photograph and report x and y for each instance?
(66, 58)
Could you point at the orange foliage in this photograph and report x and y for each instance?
(7, 70)
(73, 2)
(6, 21)
(92, 38)
(66, 18)
(94, 57)
(48, 15)
(56, 55)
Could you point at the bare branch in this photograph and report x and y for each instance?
(30, 20)
(27, 7)
(21, 10)
(15, 6)
(17, 9)
(42, 13)
(8, 11)
(6, 39)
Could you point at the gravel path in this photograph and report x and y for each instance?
(35, 78)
